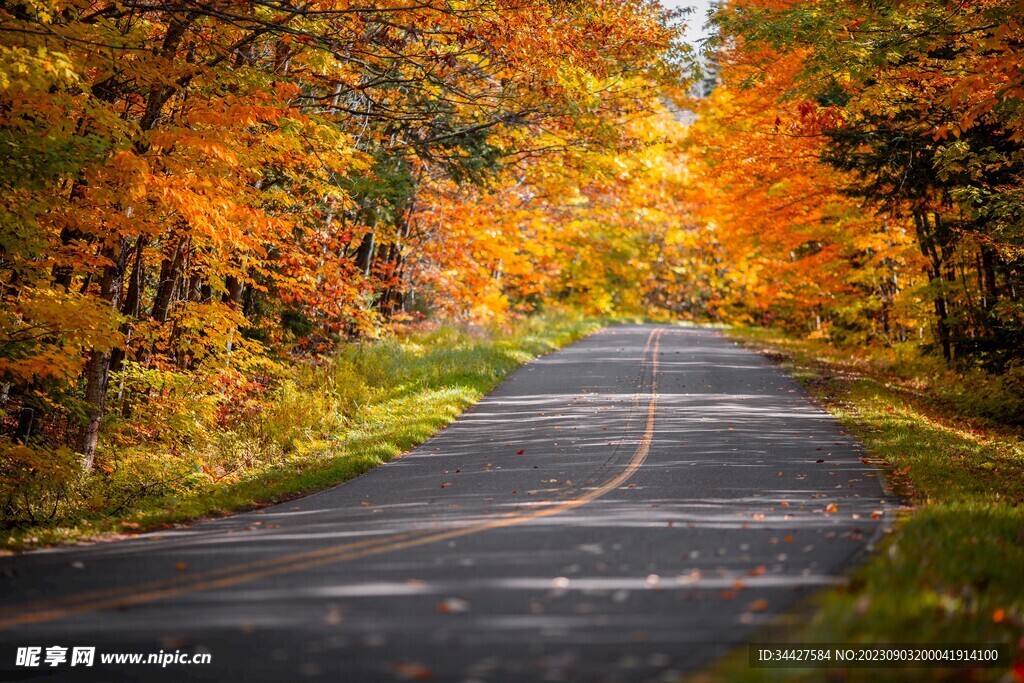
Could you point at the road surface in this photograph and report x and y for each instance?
(625, 509)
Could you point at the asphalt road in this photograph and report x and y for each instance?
(625, 509)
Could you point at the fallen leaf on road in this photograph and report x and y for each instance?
(831, 507)
(758, 605)
(411, 671)
(692, 577)
(452, 605)
(181, 566)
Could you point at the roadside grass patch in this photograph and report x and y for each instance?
(952, 571)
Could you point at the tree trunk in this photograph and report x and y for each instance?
(926, 238)
(988, 270)
(233, 296)
(364, 255)
(170, 272)
(130, 307)
(97, 371)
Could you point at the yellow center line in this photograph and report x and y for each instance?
(189, 579)
(124, 596)
(630, 415)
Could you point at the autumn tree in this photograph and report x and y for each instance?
(195, 192)
(924, 102)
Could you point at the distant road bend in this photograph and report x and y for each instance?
(625, 509)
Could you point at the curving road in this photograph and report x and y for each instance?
(625, 509)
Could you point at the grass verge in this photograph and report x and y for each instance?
(953, 569)
(325, 424)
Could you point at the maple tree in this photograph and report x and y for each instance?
(791, 247)
(847, 137)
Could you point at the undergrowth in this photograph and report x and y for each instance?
(189, 451)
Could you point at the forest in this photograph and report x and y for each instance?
(228, 229)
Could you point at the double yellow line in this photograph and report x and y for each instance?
(225, 577)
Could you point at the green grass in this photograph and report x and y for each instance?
(324, 424)
(953, 569)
